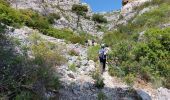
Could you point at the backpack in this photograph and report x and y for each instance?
(102, 54)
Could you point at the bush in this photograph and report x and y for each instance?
(129, 79)
(99, 18)
(98, 79)
(73, 53)
(112, 38)
(35, 20)
(46, 53)
(4, 2)
(93, 53)
(101, 96)
(72, 67)
(25, 95)
(77, 39)
(115, 71)
(10, 16)
(37, 71)
(52, 17)
(148, 58)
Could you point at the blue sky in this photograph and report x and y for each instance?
(104, 5)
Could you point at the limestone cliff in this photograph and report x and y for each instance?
(63, 7)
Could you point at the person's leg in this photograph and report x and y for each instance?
(101, 66)
(104, 65)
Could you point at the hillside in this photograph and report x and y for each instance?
(44, 54)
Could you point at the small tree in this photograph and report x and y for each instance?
(99, 18)
(80, 10)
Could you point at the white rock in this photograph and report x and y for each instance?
(163, 94)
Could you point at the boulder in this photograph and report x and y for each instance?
(71, 75)
(163, 94)
(143, 95)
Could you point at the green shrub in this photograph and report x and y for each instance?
(2, 28)
(112, 38)
(52, 17)
(93, 53)
(37, 71)
(99, 18)
(45, 54)
(99, 83)
(73, 53)
(60, 34)
(35, 20)
(10, 16)
(25, 95)
(148, 58)
(129, 79)
(101, 96)
(115, 71)
(72, 67)
(77, 39)
(4, 2)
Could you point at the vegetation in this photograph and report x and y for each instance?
(72, 67)
(147, 59)
(33, 19)
(101, 96)
(80, 10)
(142, 56)
(52, 17)
(99, 18)
(93, 53)
(99, 83)
(25, 77)
(73, 53)
(149, 19)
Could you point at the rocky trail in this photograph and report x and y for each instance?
(79, 84)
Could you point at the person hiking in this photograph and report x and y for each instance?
(86, 42)
(102, 57)
(93, 41)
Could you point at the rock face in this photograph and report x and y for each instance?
(128, 8)
(63, 4)
(63, 7)
(112, 18)
(163, 94)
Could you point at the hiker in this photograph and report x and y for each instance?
(93, 41)
(102, 57)
(86, 43)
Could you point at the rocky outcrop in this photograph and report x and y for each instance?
(45, 4)
(112, 18)
(127, 10)
(163, 94)
(63, 7)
